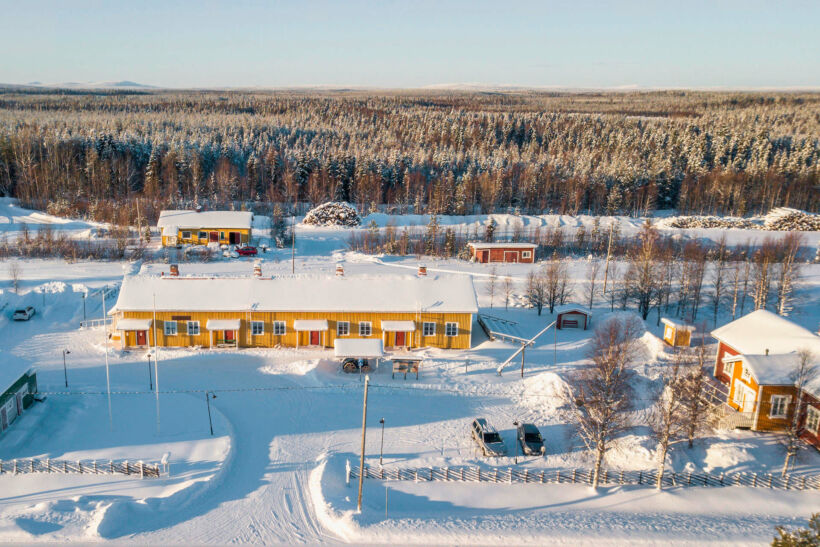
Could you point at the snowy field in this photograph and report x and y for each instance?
(286, 422)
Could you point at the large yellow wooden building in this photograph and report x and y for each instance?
(203, 227)
(295, 311)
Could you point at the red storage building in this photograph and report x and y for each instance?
(502, 252)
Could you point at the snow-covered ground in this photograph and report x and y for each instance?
(287, 420)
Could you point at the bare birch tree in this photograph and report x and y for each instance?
(642, 276)
(787, 272)
(507, 287)
(601, 394)
(693, 387)
(593, 269)
(491, 285)
(805, 372)
(536, 291)
(718, 277)
(14, 275)
(667, 420)
(556, 281)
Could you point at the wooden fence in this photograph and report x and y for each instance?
(584, 476)
(94, 467)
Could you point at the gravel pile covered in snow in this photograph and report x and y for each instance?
(786, 219)
(333, 213)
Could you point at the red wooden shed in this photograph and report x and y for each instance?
(502, 252)
(573, 316)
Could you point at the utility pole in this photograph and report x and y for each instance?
(381, 450)
(85, 294)
(65, 369)
(107, 373)
(208, 396)
(150, 374)
(523, 347)
(156, 361)
(293, 243)
(608, 252)
(364, 429)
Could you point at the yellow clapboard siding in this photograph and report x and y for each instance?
(268, 339)
(224, 237)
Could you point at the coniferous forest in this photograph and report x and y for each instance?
(91, 154)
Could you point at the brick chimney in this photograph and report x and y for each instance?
(767, 351)
(257, 270)
(174, 270)
(422, 270)
(340, 270)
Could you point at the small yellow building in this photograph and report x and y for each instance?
(677, 334)
(295, 311)
(203, 227)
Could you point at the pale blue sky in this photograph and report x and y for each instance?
(744, 43)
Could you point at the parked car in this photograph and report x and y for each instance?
(352, 364)
(532, 444)
(23, 314)
(487, 438)
(247, 250)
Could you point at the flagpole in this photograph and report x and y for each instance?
(156, 361)
(107, 373)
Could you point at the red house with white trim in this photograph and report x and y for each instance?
(502, 252)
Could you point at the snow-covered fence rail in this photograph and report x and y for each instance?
(93, 323)
(93, 467)
(584, 476)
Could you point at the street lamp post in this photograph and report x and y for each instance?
(150, 378)
(84, 295)
(515, 441)
(208, 396)
(65, 369)
(381, 450)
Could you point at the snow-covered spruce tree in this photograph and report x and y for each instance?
(333, 213)
(489, 231)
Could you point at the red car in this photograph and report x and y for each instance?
(246, 251)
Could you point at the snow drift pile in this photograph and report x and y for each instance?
(333, 213)
(786, 219)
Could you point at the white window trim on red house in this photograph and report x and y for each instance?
(813, 415)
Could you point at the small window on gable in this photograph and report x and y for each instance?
(278, 328)
(342, 328)
(780, 406)
(746, 374)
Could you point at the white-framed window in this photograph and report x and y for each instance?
(746, 374)
(170, 328)
(193, 328)
(186, 235)
(526, 254)
(342, 328)
(729, 368)
(279, 328)
(428, 329)
(451, 329)
(203, 235)
(365, 328)
(813, 419)
(780, 406)
(257, 328)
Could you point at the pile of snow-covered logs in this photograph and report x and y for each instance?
(786, 219)
(333, 213)
(710, 222)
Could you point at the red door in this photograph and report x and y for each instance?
(314, 338)
(483, 256)
(510, 256)
(230, 335)
(141, 338)
(213, 236)
(400, 339)
(496, 255)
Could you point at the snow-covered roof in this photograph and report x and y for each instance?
(398, 326)
(771, 369)
(174, 219)
(222, 324)
(358, 347)
(365, 293)
(133, 324)
(12, 368)
(677, 324)
(310, 324)
(564, 308)
(762, 330)
(502, 245)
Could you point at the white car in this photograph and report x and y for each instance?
(23, 314)
(487, 438)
